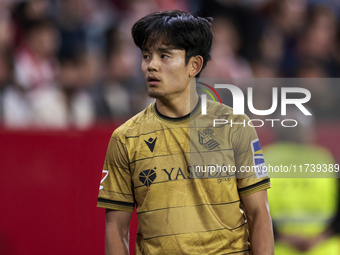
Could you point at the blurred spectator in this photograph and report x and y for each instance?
(35, 63)
(317, 42)
(6, 31)
(75, 105)
(58, 107)
(111, 97)
(264, 69)
(271, 47)
(311, 69)
(289, 16)
(26, 12)
(282, 24)
(319, 38)
(70, 17)
(324, 101)
(6, 67)
(225, 61)
(6, 58)
(100, 17)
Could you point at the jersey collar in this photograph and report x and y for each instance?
(182, 119)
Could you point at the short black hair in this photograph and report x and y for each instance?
(177, 29)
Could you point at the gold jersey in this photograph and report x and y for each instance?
(159, 164)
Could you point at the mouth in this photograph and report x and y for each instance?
(153, 80)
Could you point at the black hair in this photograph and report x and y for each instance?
(177, 29)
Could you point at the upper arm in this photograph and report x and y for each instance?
(117, 232)
(259, 221)
(256, 203)
(118, 219)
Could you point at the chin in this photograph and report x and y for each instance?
(155, 94)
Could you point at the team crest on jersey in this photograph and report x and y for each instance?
(147, 177)
(105, 173)
(207, 139)
(258, 159)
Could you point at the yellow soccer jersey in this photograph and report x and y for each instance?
(157, 163)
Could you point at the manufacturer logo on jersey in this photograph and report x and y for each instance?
(151, 143)
(105, 173)
(147, 177)
(207, 139)
(258, 159)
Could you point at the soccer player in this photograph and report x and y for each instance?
(150, 160)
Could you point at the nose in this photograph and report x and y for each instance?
(153, 64)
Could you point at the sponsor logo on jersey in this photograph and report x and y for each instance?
(198, 172)
(207, 139)
(151, 143)
(258, 159)
(105, 173)
(147, 177)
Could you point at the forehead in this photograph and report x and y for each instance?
(163, 48)
(159, 41)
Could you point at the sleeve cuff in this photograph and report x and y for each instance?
(262, 185)
(115, 205)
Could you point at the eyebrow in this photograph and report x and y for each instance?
(161, 49)
(165, 49)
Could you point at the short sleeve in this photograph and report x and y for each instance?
(116, 191)
(252, 175)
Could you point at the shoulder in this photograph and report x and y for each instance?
(223, 111)
(132, 124)
(218, 109)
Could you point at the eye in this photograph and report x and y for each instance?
(146, 56)
(165, 56)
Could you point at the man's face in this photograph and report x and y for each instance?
(165, 72)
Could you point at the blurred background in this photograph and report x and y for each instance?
(70, 74)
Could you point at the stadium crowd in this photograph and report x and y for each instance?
(72, 63)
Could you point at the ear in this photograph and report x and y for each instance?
(196, 64)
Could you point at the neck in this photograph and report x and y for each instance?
(179, 105)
